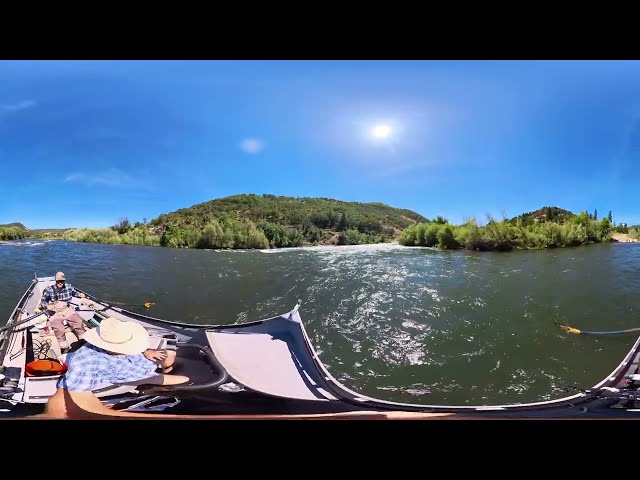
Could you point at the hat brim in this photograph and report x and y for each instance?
(40, 320)
(138, 343)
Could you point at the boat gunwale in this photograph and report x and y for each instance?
(339, 389)
(347, 395)
(5, 335)
(197, 326)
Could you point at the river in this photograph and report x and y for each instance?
(414, 325)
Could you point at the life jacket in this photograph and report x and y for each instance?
(44, 368)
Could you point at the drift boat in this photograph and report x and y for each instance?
(260, 369)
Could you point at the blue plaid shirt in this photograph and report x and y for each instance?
(52, 293)
(90, 368)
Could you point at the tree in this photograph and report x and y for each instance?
(123, 226)
(595, 214)
(610, 217)
(342, 224)
(548, 214)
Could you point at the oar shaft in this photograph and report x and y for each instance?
(103, 315)
(569, 329)
(612, 332)
(26, 320)
(119, 304)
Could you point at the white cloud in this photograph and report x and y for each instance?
(110, 178)
(251, 145)
(22, 105)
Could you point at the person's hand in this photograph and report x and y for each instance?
(82, 295)
(57, 306)
(154, 355)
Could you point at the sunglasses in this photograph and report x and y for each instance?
(59, 281)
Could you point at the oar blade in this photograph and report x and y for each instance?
(568, 329)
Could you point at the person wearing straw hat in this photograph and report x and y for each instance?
(54, 304)
(115, 352)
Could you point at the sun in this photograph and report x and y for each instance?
(381, 131)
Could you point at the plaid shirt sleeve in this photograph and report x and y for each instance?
(133, 368)
(73, 291)
(46, 297)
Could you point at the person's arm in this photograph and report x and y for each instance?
(76, 293)
(46, 298)
(159, 379)
(143, 372)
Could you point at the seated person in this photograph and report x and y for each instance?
(115, 352)
(54, 303)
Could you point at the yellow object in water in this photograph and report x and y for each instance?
(569, 329)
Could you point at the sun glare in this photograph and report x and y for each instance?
(381, 131)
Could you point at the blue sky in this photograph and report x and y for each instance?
(87, 143)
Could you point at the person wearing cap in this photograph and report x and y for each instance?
(114, 353)
(54, 304)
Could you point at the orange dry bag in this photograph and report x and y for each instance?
(44, 368)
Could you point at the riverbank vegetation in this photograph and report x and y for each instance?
(13, 233)
(511, 234)
(267, 221)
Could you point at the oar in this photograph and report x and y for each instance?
(106, 302)
(569, 329)
(26, 320)
(146, 304)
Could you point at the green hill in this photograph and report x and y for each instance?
(544, 214)
(13, 231)
(260, 221)
(19, 226)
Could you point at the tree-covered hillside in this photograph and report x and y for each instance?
(544, 214)
(19, 226)
(262, 221)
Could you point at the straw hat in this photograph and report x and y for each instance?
(117, 336)
(40, 321)
(59, 276)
